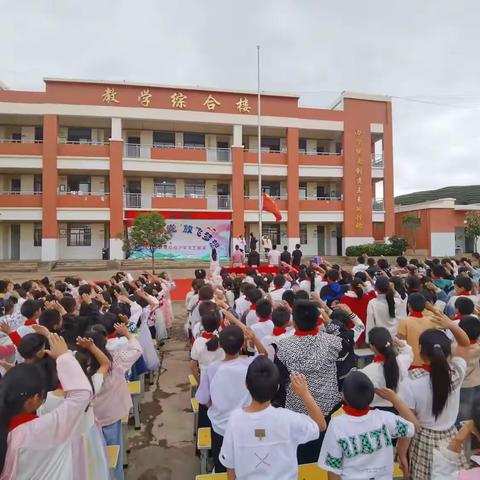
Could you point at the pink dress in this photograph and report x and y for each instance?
(167, 308)
(42, 448)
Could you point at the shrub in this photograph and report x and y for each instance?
(400, 244)
(373, 250)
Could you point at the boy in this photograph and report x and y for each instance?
(333, 291)
(463, 306)
(261, 441)
(264, 325)
(250, 316)
(278, 288)
(281, 320)
(297, 256)
(222, 387)
(462, 286)
(358, 444)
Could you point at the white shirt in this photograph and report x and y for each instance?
(416, 392)
(277, 295)
(374, 371)
(269, 340)
(263, 445)
(200, 354)
(251, 318)
(273, 257)
(378, 315)
(249, 279)
(242, 305)
(224, 386)
(360, 448)
(361, 267)
(262, 329)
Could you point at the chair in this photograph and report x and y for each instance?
(135, 390)
(125, 441)
(204, 445)
(112, 454)
(193, 385)
(195, 408)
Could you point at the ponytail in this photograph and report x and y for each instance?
(212, 345)
(380, 338)
(357, 287)
(382, 286)
(391, 304)
(435, 346)
(311, 275)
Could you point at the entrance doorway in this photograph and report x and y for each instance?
(321, 239)
(223, 196)
(133, 194)
(15, 241)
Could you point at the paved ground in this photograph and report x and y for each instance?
(164, 449)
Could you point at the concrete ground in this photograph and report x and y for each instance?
(164, 448)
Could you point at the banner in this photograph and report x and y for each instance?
(193, 240)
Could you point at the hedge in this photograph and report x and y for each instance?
(372, 250)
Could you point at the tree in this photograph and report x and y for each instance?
(148, 232)
(472, 227)
(412, 223)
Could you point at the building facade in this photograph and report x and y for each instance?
(81, 158)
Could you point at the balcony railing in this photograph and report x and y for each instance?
(211, 202)
(23, 140)
(302, 151)
(22, 192)
(63, 141)
(377, 159)
(266, 150)
(274, 197)
(82, 194)
(134, 150)
(332, 196)
(378, 205)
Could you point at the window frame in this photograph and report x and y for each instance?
(37, 234)
(86, 236)
(303, 230)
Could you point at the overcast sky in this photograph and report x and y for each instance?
(427, 50)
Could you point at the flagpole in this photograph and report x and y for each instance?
(259, 153)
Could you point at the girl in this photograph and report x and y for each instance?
(433, 393)
(389, 368)
(381, 310)
(401, 297)
(40, 447)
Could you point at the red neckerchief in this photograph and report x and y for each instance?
(354, 412)
(112, 335)
(378, 358)
(207, 335)
(473, 342)
(436, 278)
(262, 320)
(320, 322)
(253, 307)
(466, 294)
(20, 419)
(426, 367)
(458, 316)
(304, 333)
(279, 331)
(30, 322)
(413, 367)
(414, 290)
(278, 288)
(416, 314)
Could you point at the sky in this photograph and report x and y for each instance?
(422, 53)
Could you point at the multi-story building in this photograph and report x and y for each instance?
(82, 157)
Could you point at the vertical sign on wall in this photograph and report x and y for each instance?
(359, 221)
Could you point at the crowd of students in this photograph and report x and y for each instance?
(281, 383)
(67, 349)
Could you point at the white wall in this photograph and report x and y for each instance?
(442, 244)
(94, 251)
(27, 250)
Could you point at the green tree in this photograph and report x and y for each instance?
(472, 227)
(412, 223)
(149, 232)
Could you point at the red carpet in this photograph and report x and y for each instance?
(183, 286)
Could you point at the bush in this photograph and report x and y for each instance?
(400, 244)
(372, 250)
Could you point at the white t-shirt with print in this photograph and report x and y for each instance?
(360, 448)
(416, 392)
(200, 354)
(263, 445)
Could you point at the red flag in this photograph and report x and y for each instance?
(269, 205)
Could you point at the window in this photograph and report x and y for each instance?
(15, 186)
(39, 134)
(271, 188)
(79, 235)
(302, 190)
(271, 144)
(165, 187)
(194, 140)
(17, 137)
(338, 148)
(302, 145)
(272, 230)
(303, 234)
(320, 148)
(195, 188)
(37, 235)
(79, 135)
(80, 184)
(37, 184)
(164, 139)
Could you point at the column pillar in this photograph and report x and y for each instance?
(116, 191)
(50, 242)
(388, 199)
(237, 136)
(293, 201)
(357, 175)
(238, 192)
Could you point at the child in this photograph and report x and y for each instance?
(278, 288)
(261, 441)
(388, 368)
(40, 447)
(463, 306)
(281, 321)
(433, 393)
(382, 310)
(262, 322)
(223, 386)
(358, 444)
(250, 316)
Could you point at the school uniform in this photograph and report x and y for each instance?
(223, 384)
(360, 447)
(40, 447)
(416, 391)
(242, 304)
(470, 391)
(447, 466)
(379, 316)
(277, 294)
(250, 317)
(263, 328)
(450, 307)
(262, 445)
(202, 356)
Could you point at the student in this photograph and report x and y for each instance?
(238, 257)
(470, 391)
(281, 328)
(433, 393)
(273, 256)
(360, 266)
(463, 306)
(400, 269)
(40, 447)
(286, 256)
(264, 326)
(205, 294)
(372, 268)
(250, 316)
(242, 303)
(463, 287)
(266, 244)
(260, 440)
(415, 324)
(297, 256)
(358, 444)
(388, 368)
(253, 258)
(333, 291)
(439, 279)
(222, 387)
(278, 288)
(400, 295)
(381, 310)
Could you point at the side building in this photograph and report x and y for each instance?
(79, 160)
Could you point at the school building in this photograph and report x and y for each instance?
(81, 158)
(441, 231)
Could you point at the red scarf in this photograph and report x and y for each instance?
(30, 322)
(378, 358)
(458, 316)
(426, 367)
(416, 314)
(20, 419)
(473, 342)
(304, 333)
(354, 412)
(436, 278)
(112, 335)
(262, 320)
(279, 331)
(253, 307)
(465, 294)
(207, 335)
